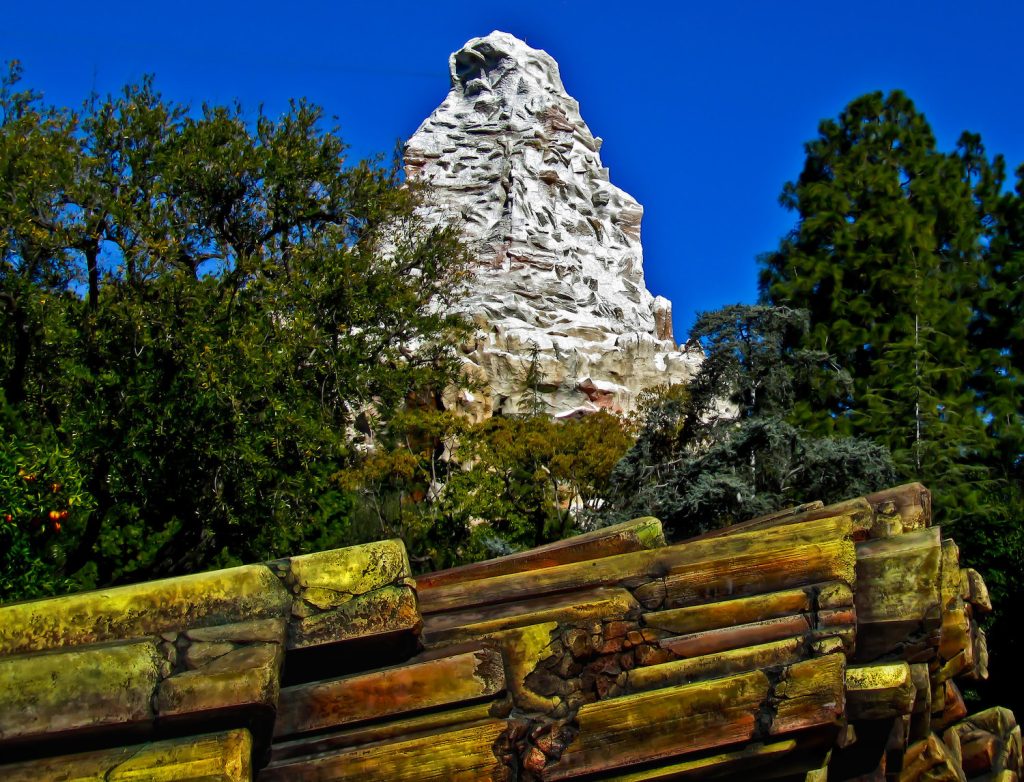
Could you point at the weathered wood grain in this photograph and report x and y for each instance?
(748, 658)
(245, 678)
(389, 611)
(394, 729)
(880, 691)
(663, 724)
(575, 607)
(819, 540)
(459, 755)
(766, 567)
(738, 636)
(809, 694)
(141, 610)
(461, 678)
(748, 760)
(897, 591)
(220, 757)
(80, 689)
(635, 535)
(727, 613)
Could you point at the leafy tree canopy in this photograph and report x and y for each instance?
(193, 310)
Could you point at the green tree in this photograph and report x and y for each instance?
(724, 450)
(196, 310)
(908, 259)
(459, 493)
(886, 257)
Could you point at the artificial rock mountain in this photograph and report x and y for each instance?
(563, 316)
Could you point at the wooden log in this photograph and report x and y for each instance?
(82, 689)
(997, 722)
(897, 594)
(328, 579)
(821, 547)
(388, 612)
(880, 691)
(395, 729)
(749, 760)
(859, 511)
(921, 722)
(911, 501)
(979, 642)
(361, 592)
(975, 591)
(764, 568)
(749, 658)
(247, 678)
(142, 610)
(953, 707)
(635, 535)
(219, 757)
(930, 760)
(662, 724)
(461, 678)
(728, 613)
(673, 721)
(464, 754)
(738, 636)
(808, 694)
(573, 608)
(523, 649)
(979, 756)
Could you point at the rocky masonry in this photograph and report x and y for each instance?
(560, 284)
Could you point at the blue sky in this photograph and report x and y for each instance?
(703, 107)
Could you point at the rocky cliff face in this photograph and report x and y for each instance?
(559, 298)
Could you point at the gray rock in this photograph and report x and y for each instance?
(560, 264)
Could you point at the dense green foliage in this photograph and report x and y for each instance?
(458, 492)
(909, 261)
(724, 449)
(193, 310)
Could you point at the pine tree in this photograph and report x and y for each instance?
(886, 256)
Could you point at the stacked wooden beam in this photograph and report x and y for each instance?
(187, 655)
(822, 642)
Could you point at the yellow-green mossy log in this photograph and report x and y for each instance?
(349, 593)
(883, 691)
(584, 606)
(464, 754)
(140, 610)
(245, 677)
(328, 579)
(220, 757)
(386, 611)
(79, 689)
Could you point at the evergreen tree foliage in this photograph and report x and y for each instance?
(886, 257)
(724, 449)
(909, 261)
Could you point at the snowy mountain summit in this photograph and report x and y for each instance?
(559, 297)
